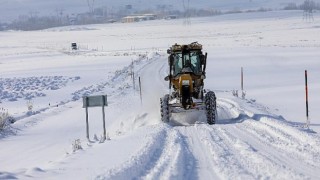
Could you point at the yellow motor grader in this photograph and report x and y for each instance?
(187, 71)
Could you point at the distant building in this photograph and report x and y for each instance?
(129, 19)
(138, 18)
(111, 21)
(150, 16)
(171, 17)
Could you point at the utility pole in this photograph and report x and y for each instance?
(187, 20)
(91, 6)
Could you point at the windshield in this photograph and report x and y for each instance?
(191, 60)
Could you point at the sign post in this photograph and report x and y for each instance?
(95, 101)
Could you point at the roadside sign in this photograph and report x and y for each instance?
(95, 101)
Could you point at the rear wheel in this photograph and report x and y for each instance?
(164, 104)
(211, 108)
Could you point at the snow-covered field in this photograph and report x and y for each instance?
(260, 137)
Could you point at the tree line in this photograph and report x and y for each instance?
(33, 21)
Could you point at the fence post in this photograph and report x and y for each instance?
(307, 103)
(243, 93)
(140, 90)
(241, 78)
(132, 72)
(87, 117)
(104, 118)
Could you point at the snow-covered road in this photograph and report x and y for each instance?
(247, 142)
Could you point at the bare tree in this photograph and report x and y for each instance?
(308, 6)
(33, 14)
(291, 6)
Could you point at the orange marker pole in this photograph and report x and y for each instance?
(307, 103)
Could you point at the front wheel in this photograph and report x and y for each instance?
(164, 104)
(211, 108)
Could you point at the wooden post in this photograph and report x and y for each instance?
(140, 90)
(307, 103)
(104, 119)
(243, 93)
(132, 71)
(87, 117)
(241, 78)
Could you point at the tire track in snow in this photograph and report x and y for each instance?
(206, 168)
(221, 162)
(279, 157)
(285, 144)
(227, 112)
(165, 156)
(175, 162)
(299, 134)
(144, 158)
(295, 147)
(254, 162)
(282, 135)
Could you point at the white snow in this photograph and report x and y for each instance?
(259, 137)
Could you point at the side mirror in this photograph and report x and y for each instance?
(169, 51)
(202, 59)
(166, 78)
(171, 60)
